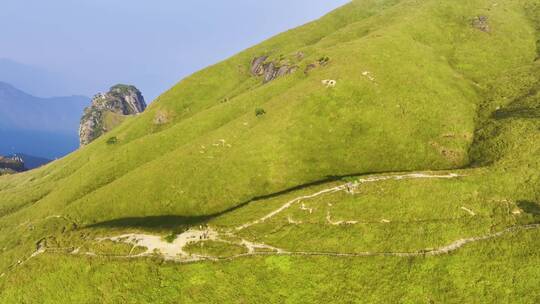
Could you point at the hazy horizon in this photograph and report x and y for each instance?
(59, 47)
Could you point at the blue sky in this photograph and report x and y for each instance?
(89, 45)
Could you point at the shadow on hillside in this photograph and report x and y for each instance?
(166, 222)
(181, 223)
(517, 113)
(176, 223)
(530, 208)
(519, 108)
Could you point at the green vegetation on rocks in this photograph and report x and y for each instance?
(109, 110)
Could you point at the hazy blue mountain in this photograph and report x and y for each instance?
(33, 80)
(44, 127)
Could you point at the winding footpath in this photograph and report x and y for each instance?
(174, 251)
(178, 255)
(349, 187)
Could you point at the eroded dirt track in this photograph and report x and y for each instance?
(155, 245)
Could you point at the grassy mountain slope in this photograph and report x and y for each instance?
(420, 87)
(396, 122)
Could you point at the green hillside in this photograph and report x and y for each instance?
(396, 160)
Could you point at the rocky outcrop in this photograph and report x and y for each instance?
(257, 65)
(108, 110)
(481, 23)
(270, 70)
(10, 165)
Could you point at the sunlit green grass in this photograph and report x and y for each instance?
(418, 89)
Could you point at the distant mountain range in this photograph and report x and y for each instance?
(20, 162)
(11, 165)
(33, 80)
(44, 127)
(31, 162)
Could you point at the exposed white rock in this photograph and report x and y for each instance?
(120, 100)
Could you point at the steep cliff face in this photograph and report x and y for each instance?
(108, 110)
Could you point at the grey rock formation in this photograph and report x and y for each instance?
(108, 110)
(269, 70)
(257, 65)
